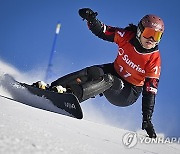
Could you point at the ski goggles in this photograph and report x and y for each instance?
(150, 32)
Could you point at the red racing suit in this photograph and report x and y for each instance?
(136, 65)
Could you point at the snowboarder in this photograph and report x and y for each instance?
(136, 68)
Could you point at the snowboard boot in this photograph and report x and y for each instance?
(40, 85)
(58, 89)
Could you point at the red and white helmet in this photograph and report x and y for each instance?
(153, 25)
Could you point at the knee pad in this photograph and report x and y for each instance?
(94, 72)
(93, 88)
(113, 94)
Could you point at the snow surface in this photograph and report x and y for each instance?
(29, 128)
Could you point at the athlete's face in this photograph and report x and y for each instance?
(148, 43)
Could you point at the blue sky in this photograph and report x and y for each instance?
(27, 32)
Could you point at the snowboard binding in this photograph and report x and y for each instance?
(42, 85)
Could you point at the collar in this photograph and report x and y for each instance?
(134, 41)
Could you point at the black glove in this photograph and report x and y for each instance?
(148, 126)
(88, 14)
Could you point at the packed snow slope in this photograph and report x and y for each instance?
(25, 129)
(29, 128)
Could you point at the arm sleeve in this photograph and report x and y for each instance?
(151, 84)
(149, 94)
(102, 31)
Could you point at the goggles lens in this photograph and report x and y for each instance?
(149, 32)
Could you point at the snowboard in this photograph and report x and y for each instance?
(66, 101)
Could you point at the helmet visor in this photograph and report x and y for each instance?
(150, 32)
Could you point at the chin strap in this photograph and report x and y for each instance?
(138, 35)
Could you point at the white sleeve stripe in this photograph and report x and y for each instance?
(153, 90)
(104, 30)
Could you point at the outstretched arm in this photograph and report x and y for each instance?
(98, 28)
(148, 102)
